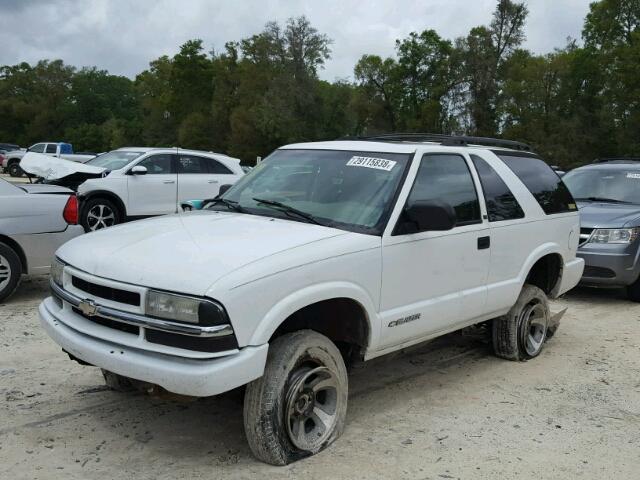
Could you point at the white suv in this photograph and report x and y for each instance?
(136, 182)
(323, 254)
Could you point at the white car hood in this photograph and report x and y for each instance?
(189, 252)
(54, 168)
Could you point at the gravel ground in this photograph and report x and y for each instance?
(448, 410)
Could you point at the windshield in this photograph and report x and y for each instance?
(114, 160)
(616, 185)
(343, 189)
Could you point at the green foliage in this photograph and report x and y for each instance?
(260, 92)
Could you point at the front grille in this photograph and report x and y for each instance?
(598, 272)
(106, 322)
(107, 293)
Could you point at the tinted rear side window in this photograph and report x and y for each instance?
(545, 185)
(501, 203)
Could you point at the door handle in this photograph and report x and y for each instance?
(212, 181)
(169, 181)
(484, 243)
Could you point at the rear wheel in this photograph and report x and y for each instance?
(521, 333)
(10, 271)
(298, 407)
(99, 213)
(15, 170)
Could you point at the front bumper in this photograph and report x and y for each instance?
(184, 376)
(609, 264)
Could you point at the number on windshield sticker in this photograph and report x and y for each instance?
(370, 162)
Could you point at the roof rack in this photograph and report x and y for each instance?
(617, 159)
(450, 140)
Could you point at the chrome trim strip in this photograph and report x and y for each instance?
(146, 322)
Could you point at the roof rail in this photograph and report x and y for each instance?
(617, 159)
(450, 140)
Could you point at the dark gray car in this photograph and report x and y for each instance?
(608, 196)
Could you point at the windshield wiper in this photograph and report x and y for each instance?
(601, 199)
(289, 210)
(230, 204)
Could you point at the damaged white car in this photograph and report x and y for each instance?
(323, 255)
(131, 183)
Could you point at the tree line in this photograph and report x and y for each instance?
(574, 104)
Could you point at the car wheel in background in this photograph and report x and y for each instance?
(15, 170)
(633, 291)
(10, 271)
(99, 213)
(298, 406)
(521, 333)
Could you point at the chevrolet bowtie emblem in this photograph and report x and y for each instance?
(88, 307)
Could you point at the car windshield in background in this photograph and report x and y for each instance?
(343, 189)
(113, 160)
(595, 184)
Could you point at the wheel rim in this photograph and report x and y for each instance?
(5, 272)
(312, 406)
(533, 321)
(100, 216)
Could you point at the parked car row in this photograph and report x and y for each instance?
(349, 250)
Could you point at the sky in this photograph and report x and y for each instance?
(123, 36)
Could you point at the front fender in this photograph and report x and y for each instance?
(313, 294)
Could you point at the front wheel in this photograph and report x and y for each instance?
(99, 213)
(298, 407)
(15, 170)
(521, 333)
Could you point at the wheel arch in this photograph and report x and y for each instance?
(85, 197)
(15, 246)
(310, 307)
(544, 269)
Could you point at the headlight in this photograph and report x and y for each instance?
(184, 309)
(615, 235)
(57, 268)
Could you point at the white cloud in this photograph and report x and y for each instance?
(122, 36)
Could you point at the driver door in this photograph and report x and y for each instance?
(154, 193)
(434, 281)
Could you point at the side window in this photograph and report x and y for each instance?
(543, 183)
(158, 164)
(192, 164)
(447, 178)
(37, 148)
(217, 168)
(501, 203)
(51, 148)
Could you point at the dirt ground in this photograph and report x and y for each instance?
(448, 410)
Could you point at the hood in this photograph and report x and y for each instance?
(608, 215)
(187, 252)
(54, 168)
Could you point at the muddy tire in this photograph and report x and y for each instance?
(117, 382)
(633, 291)
(520, 334)
(298, 407)
(99, 213)
(15, 170)
(10, 271)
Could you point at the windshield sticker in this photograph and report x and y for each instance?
(633, 175)
(370, 162)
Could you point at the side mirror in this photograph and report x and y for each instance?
(190, 205)
(138, 170)
(427, 215)
(224, 188)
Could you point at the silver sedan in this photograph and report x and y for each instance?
(34, 221)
